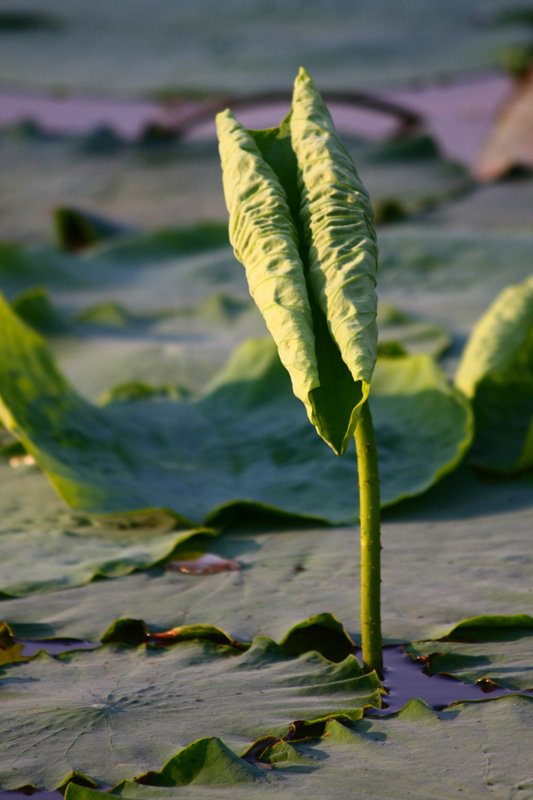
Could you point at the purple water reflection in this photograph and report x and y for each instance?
(459, 115)
(54, 646)
(405, 680)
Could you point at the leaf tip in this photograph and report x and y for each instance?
(223, 119)
(303, 75)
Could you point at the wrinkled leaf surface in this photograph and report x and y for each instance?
(301, 224)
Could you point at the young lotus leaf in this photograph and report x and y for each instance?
(496, 372)
(482, 650)
(301, 223)
(242, 441)
(115, 712)
(483, 752)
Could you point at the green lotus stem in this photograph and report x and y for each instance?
(367, 461)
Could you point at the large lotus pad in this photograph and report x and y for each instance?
(245, 440)
(115, 712)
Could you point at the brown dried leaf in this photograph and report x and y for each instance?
(202, 564)
(510, 143)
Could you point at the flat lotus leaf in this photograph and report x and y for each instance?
(480, 749)
(115, 712)
(207, 761)
(451, 279)
(165, 307)
(90, 50)
(44, 547)
(432, 179)
(496, 372)
(407, 176)
(138, 344)
(461, 549)
(439, 278)
(483, 752)
(483, 649)
(244, 440)
(184, 255)
(429, 264)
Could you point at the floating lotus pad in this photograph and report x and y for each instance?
(43, 546)
(395, 757)
(452, 536)
(115, 712)
(483, 649)
(243, 441)
(403, 178)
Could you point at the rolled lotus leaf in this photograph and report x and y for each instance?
(496, 373)
(301, 223)
(265, 240)
(340, 240)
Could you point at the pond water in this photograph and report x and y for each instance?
(406, 679)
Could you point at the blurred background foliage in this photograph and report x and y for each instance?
(109, 106)
(165, 47)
